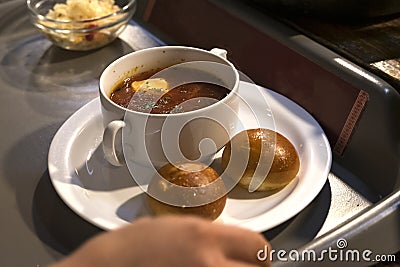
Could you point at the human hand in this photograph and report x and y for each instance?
(171, 241)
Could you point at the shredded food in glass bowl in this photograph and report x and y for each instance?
(74, 10)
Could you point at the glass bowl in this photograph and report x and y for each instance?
(81, 32)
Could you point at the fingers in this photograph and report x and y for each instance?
(235, 244)
(243, 245)
(149, 242)
(232, 263)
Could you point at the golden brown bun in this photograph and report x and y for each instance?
(199, 184)
(285, 164)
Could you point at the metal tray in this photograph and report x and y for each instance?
(360, 203)
(39, 86)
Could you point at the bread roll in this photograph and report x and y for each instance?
(255, 147)
(188, 188)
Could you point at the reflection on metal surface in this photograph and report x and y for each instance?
(390, 67)
(138, 38)
(60, 80)
(346, 203)
(350, 66)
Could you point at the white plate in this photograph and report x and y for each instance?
(108, 197)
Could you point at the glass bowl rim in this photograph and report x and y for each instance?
(122, 11)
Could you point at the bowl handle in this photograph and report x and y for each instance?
(111, 154)
(219, 52)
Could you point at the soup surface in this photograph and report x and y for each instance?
(141, 93)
